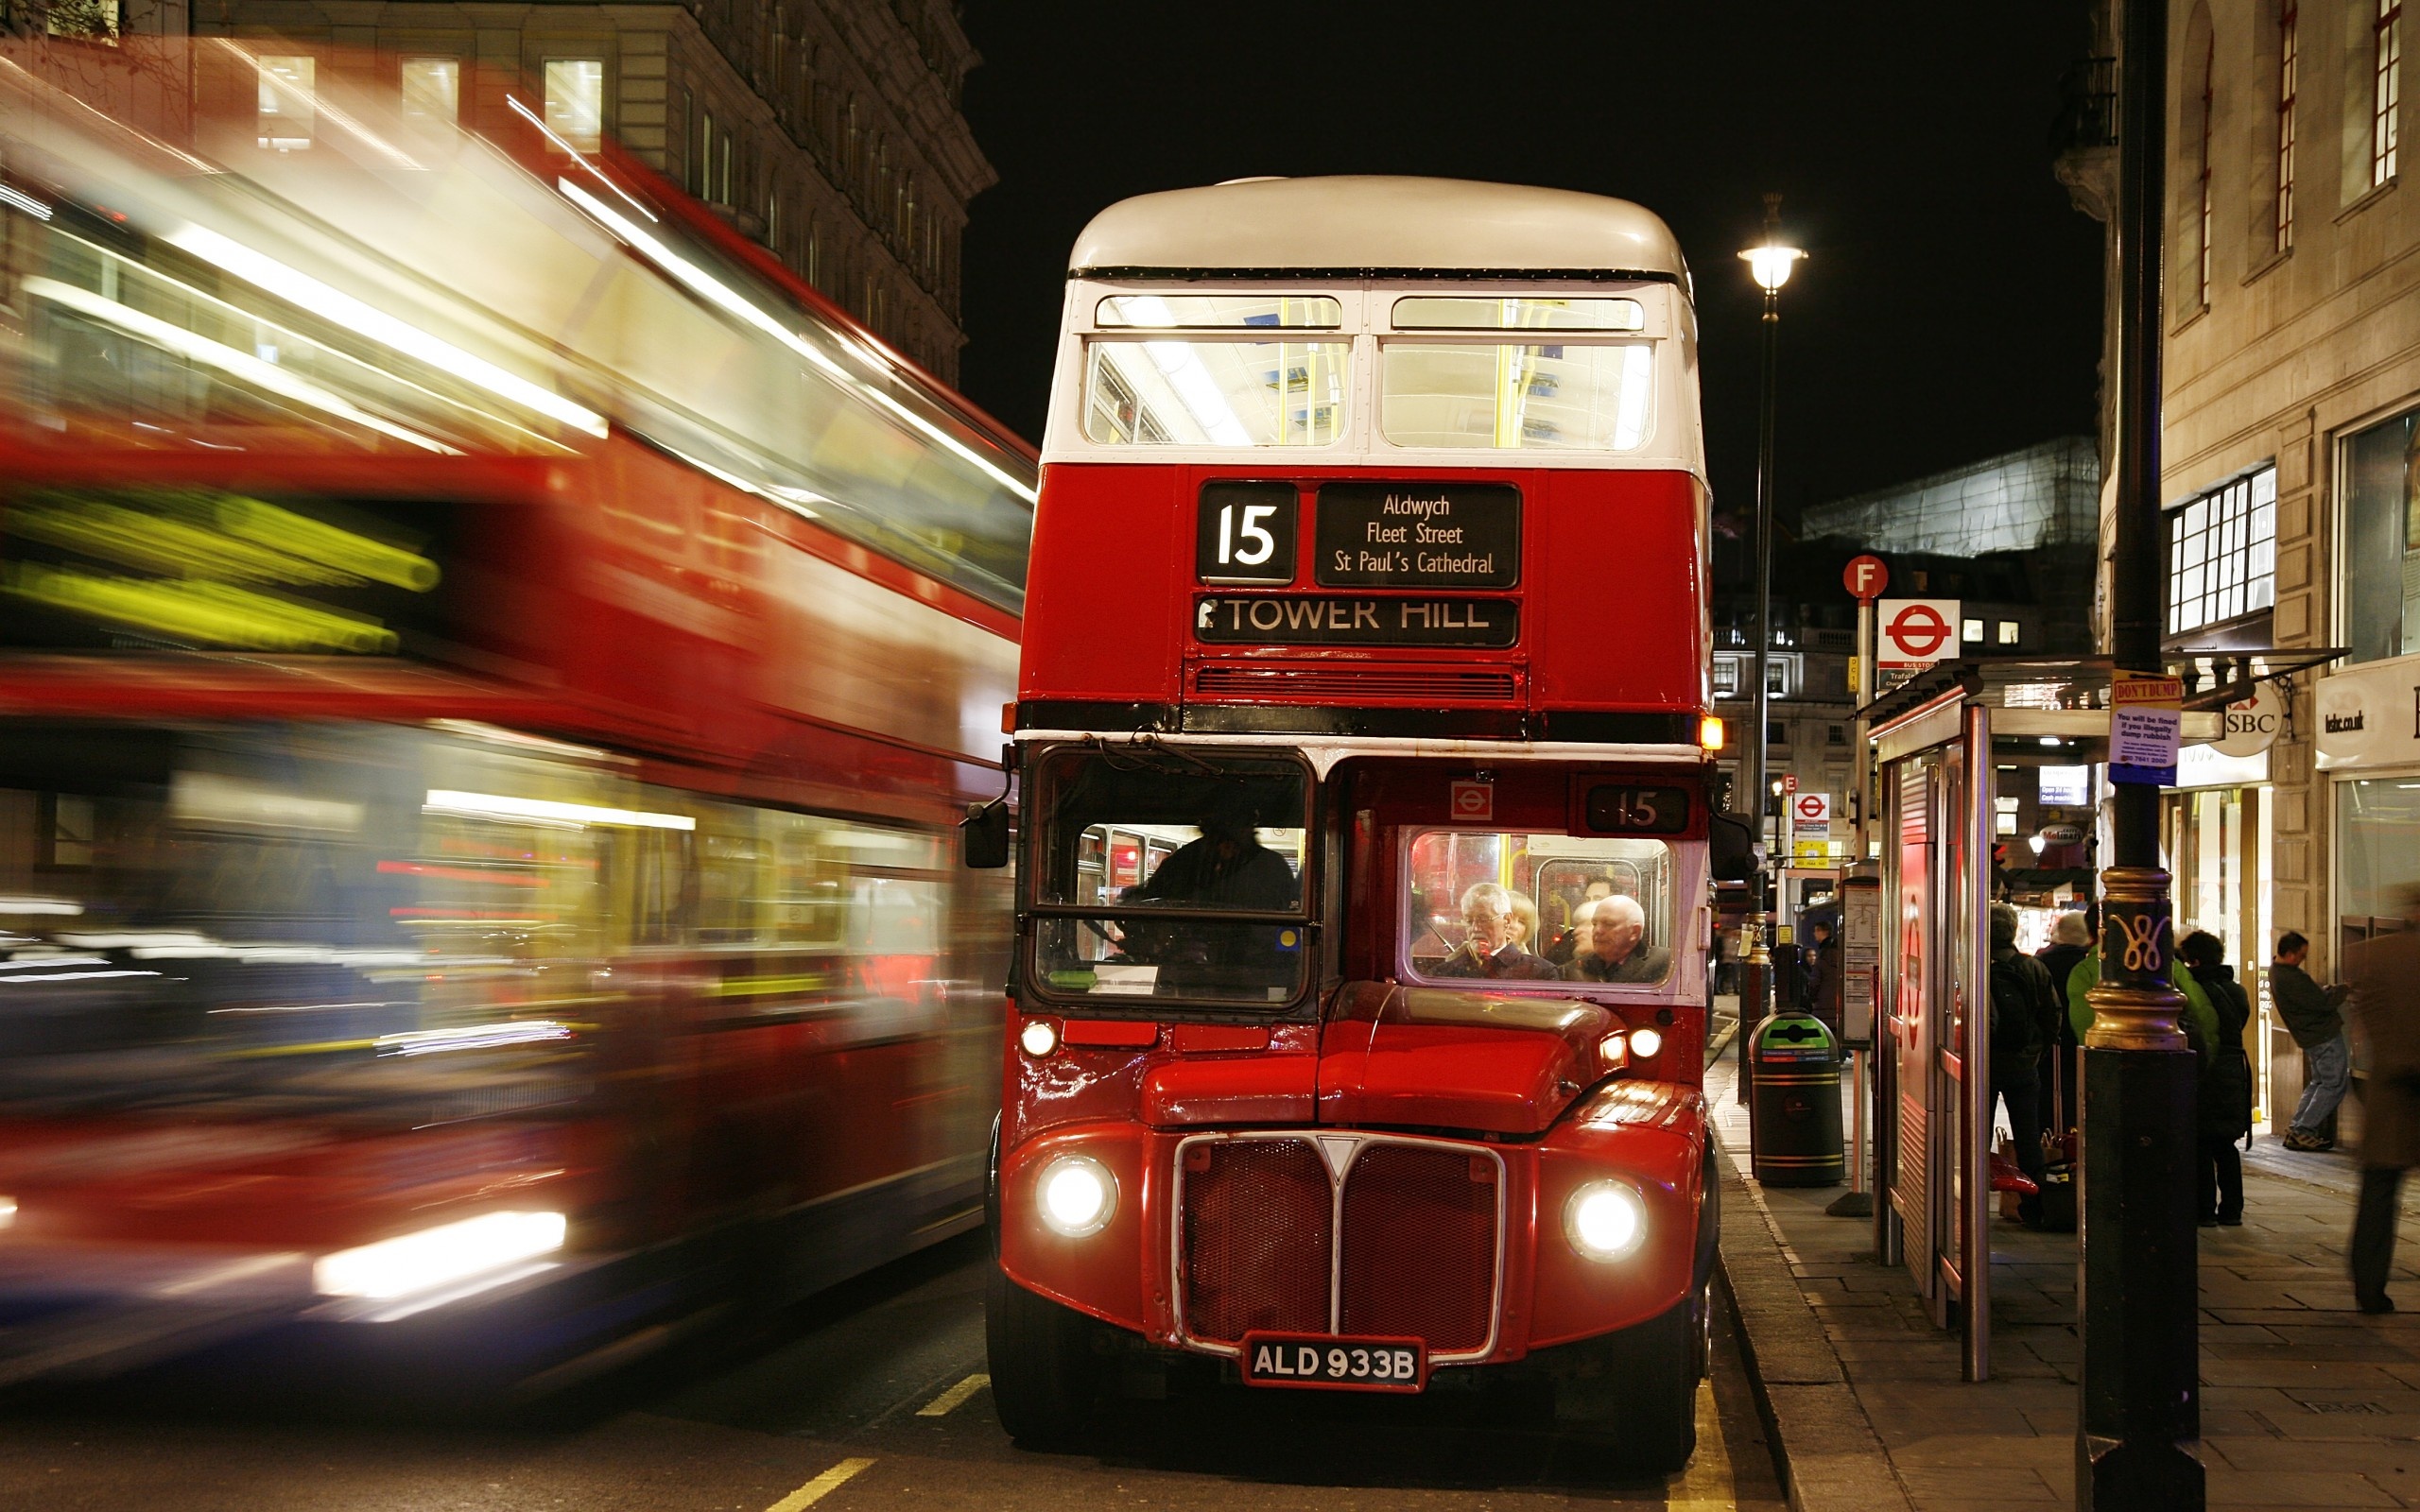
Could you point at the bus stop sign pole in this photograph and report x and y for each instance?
(2140, 1424)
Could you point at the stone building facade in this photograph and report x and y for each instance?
(828, 130)
(2290, 477)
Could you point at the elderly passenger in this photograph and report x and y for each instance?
(1494, 948)
(1617, 948)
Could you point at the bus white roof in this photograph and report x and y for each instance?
(1377, 226)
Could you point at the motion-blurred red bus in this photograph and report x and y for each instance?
(489, 665)
(1360, 988)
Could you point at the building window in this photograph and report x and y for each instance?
(2202, 253)
(2288, 62)
(1836, 736)
(1777, 679)
(2386, 89)
(1970, 633)
(289, 113)
(432, 91)
(2008, 632)
(2382, 541)
(1776, 732)
(575, 102)
(2222, 553)
(1726, 676)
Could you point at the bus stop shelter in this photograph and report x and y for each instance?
(1952, 750)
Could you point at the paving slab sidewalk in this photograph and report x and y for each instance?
(2305, 1403)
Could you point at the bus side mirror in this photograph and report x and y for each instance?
(983, 835)
(1731, 847)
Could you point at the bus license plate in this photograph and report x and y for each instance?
(1324, 1361)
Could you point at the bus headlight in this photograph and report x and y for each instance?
(1078, 1196)
(1605, 1220)
(1645, 1043)
(1039, 1036)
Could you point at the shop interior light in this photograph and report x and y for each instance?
(439, 1256)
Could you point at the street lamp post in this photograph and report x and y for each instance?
(1770, 264)
(2138, 1289)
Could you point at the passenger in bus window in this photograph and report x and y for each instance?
(1524, 921)
(1617, 948)
(1227, 868)
(1573, 942)
(1493, 949)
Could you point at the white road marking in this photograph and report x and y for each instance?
(822, 1486)
(943, 1405)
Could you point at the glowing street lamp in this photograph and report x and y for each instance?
(1770, 265)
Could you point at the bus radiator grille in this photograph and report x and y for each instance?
(1359, 682)
(1257, 1221)
(1420, 1247)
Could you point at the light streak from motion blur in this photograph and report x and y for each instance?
(8, 1211)
(439, 1256)
(498, 806)
(299, 288)
(723, 297)
(472, 1036)
(12, 907)
(576, 155)
(226, 359)
(26, 203)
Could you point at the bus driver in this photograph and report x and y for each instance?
(1616, 937)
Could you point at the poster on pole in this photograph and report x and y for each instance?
(2146, 716)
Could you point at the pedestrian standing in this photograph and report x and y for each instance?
(2314, 1016)
(2024, 1006)
(2070, 942)
(2385, 976)
(2223, 1085)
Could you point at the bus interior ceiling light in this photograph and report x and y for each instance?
(251, 370)
(24, 202)
(306, 292)
(499, 806)
(434, 1257)
(1605, 1220)
(1079, 1195)
(731, 302)
(1182, 367)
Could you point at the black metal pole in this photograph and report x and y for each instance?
(2138, 1292)
(1756, 975)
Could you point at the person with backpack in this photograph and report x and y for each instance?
(2024, 1020)
(2223, 1099)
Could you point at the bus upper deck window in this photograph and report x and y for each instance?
(1574, 397)
(1219, 312)
(1217, 392)
(1441, 313)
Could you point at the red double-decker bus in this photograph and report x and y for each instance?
(483, 719)
(1360, 989)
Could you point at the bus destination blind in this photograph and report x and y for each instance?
(1335, 619)
(1434, 536)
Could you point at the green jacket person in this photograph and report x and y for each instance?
(2200, 1020)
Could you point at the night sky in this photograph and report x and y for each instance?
(1951, 306)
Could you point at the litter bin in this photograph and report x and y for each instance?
(1794, 1115)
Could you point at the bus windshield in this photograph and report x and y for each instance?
(1160, 875)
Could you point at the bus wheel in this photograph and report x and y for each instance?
(1641, 1398)
(1044, 1380)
